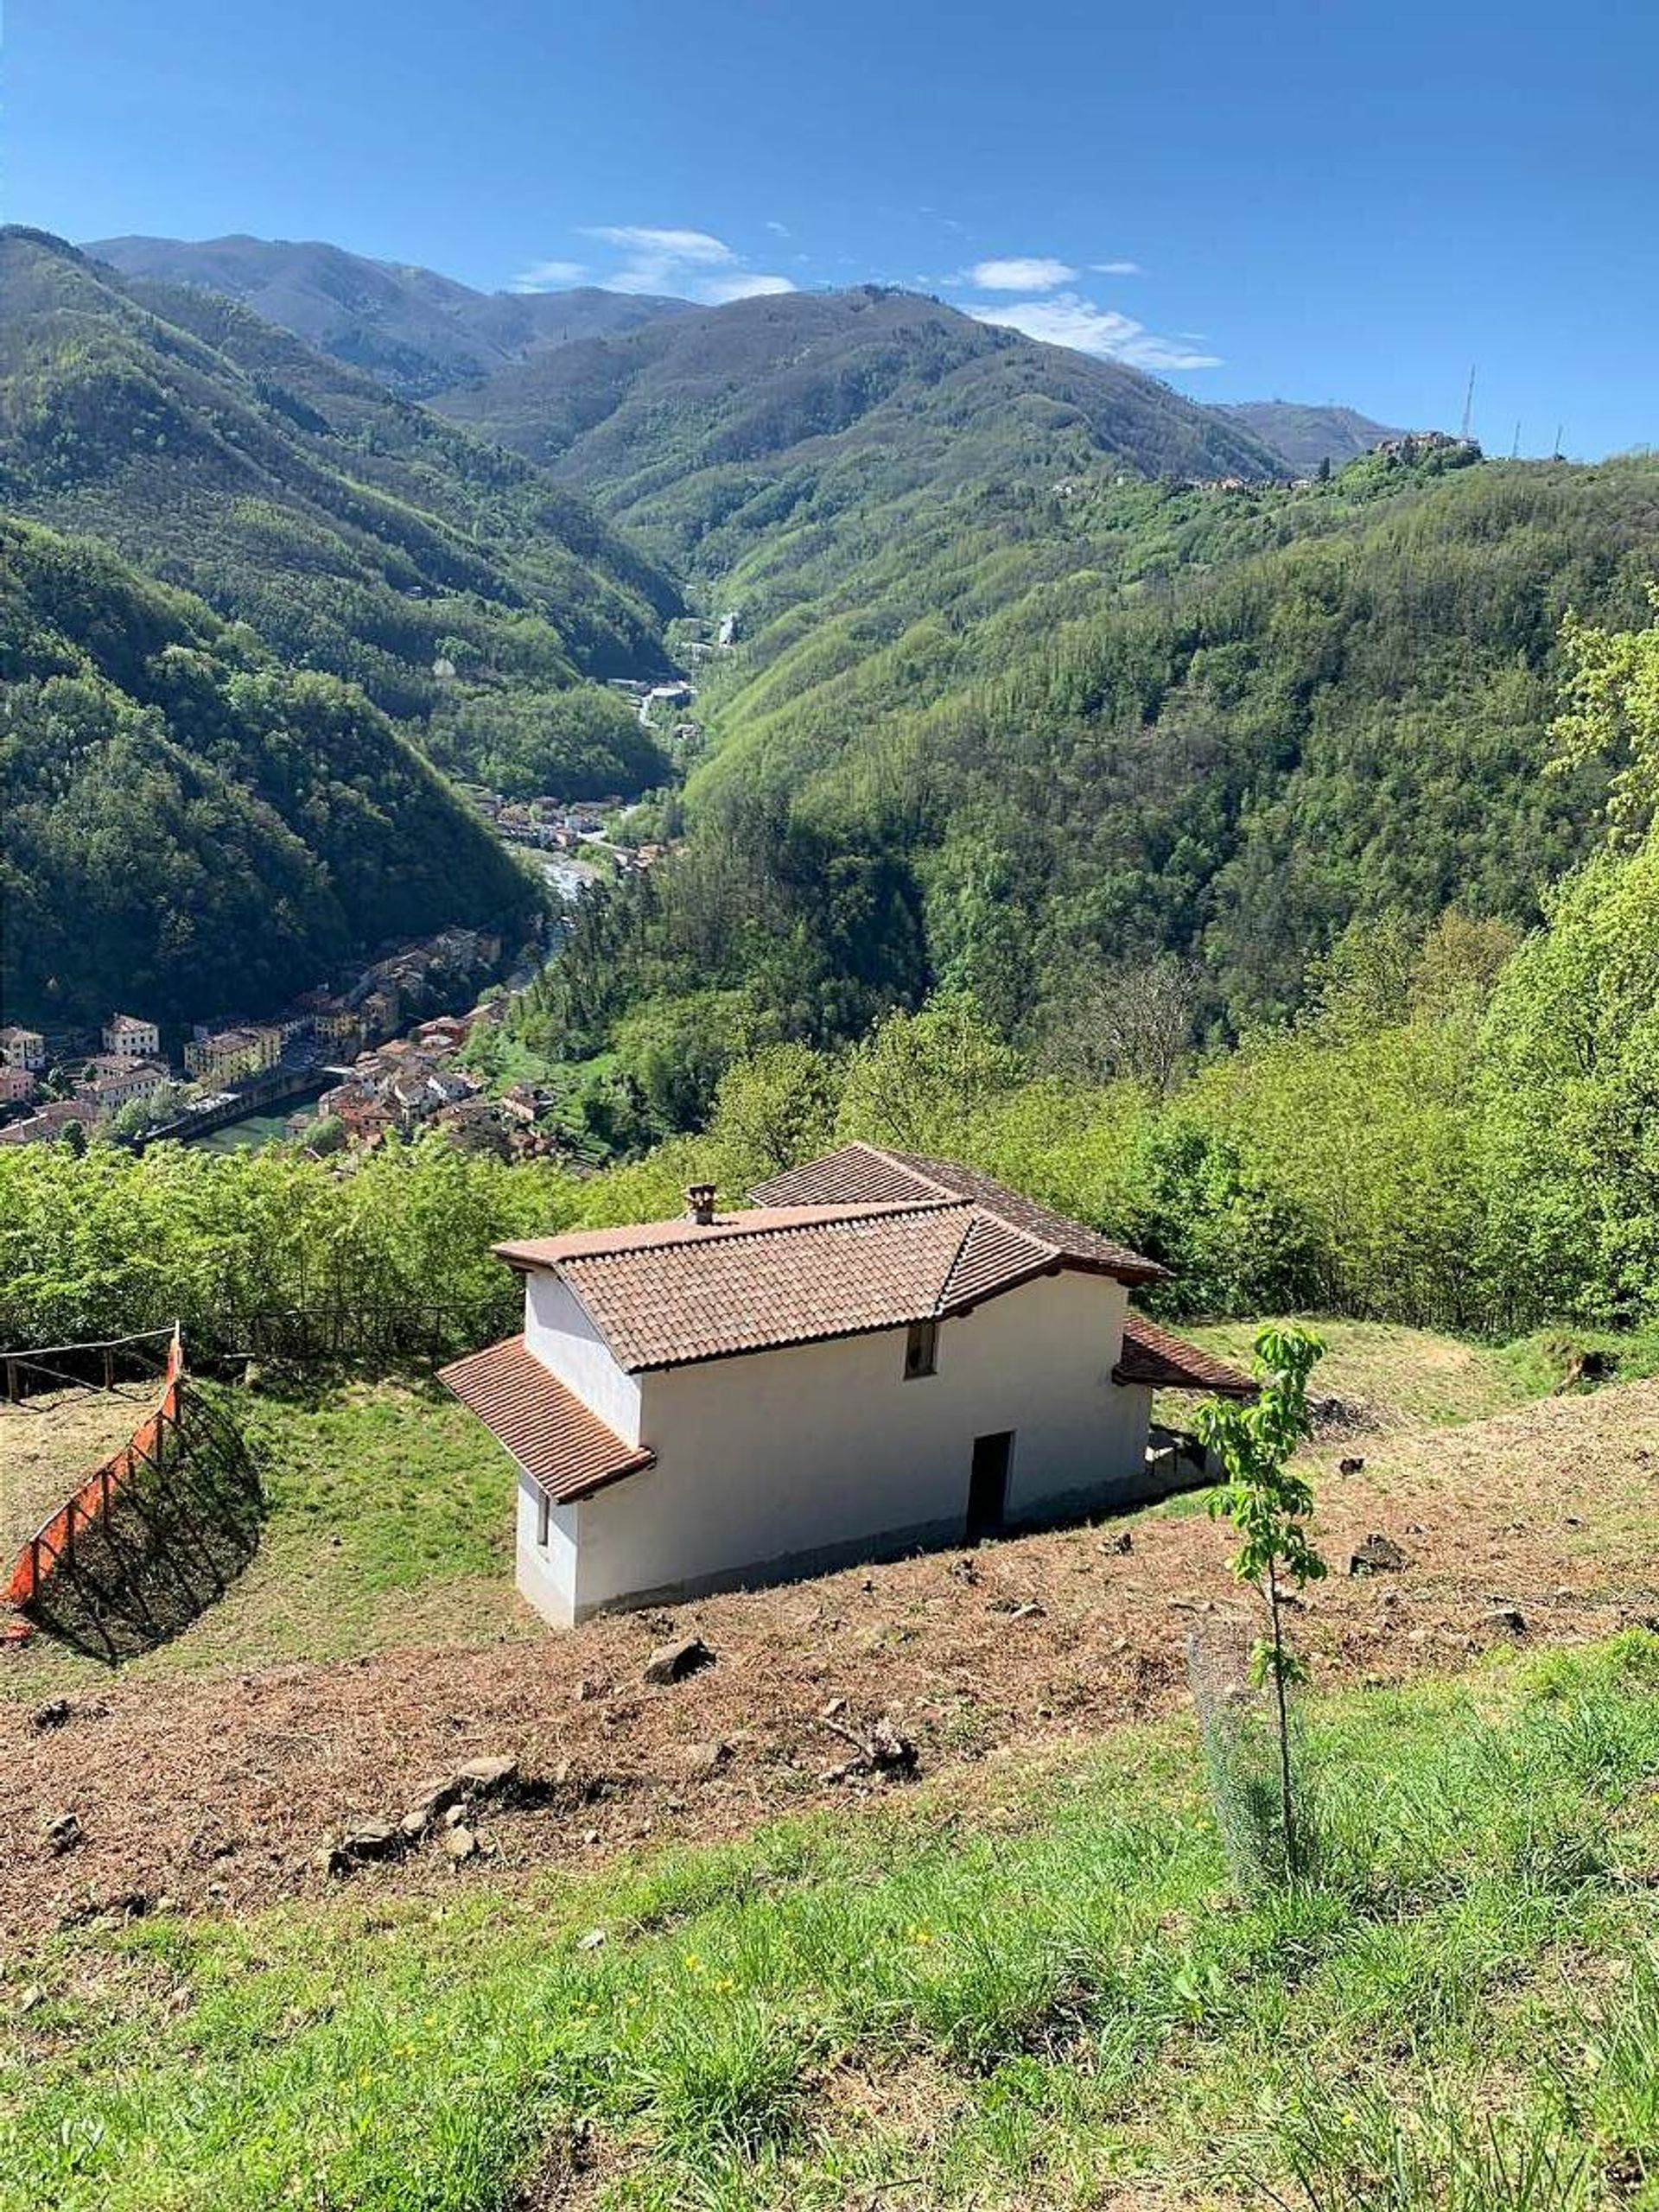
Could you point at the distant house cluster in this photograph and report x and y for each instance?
(550, 824)
(218, 1056)
(1420, 445)
(91, 1087)
(225, 1062)
(402, 1083)
(700, 649)
(22, 1059)
(418, 1082)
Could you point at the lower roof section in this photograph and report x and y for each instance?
(1153, 1357)
(560, 1443)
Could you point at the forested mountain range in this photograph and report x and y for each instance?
(470, 595)
(415, 330)
(1042, 668)
(348, 525)
(1044, 740)
(422, 334)
(193, 826)
(211, 823)
(704, 433)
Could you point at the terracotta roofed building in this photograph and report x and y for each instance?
(882, 1350)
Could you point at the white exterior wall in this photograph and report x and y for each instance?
(817, 1452)
(132, 1040)
(558, 1332)
(547, 1572)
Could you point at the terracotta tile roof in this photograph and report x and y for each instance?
(865, 1173)
(554, 1437)
(861, 1241)
(859, 1174)
(794, 1281)
(992, 1256)
(1153, 1355)
(654, 1236)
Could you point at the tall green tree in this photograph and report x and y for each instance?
(918, 1079)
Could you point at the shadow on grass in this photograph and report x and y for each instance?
(175, 1537)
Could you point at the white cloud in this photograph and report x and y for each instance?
(548, 275)
(673, 245)
(782, 229)
(1034, 272)
(748, 285)
(1066, 319)
(659, 260)
(692, 264)
(1116, 268)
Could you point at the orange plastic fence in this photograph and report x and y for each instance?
(54, 1541)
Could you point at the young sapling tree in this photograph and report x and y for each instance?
(1269, 1504)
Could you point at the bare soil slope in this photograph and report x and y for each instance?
(1534, 1526)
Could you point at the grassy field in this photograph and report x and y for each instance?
(389, 1522)
(1392, 1378)
(1034, 1984)
(48, 1443)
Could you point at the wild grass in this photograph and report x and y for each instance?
(388, 1522)
(1050, 1994)
(1396, 1378)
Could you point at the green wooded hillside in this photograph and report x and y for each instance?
(193, 825)
(353, 530)
(710, 433)
(1073, 731)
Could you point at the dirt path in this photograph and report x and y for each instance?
(217, 1795)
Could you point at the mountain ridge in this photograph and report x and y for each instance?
(704, 431)
(1308, 435)
(416, 330)
(351, 527)
(425, 334)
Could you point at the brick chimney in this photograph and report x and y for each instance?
(700, 1203)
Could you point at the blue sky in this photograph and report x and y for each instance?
(1334, 200)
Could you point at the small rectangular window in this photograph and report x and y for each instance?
(544, 1518)
(921, 1350)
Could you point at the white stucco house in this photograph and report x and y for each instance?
(883, 1352)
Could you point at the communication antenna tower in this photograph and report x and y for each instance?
(1469, 408)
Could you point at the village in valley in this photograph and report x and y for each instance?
(383, 1055)
(134, 1088)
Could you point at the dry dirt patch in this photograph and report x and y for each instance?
(48, 1443)
(218, 1794)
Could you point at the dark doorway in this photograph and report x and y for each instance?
(987, 1485)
